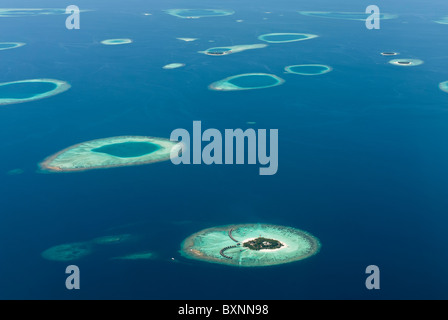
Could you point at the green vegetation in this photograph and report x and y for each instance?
(262, 243)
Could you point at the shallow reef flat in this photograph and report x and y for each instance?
(27, 12)
(360, 16)
(444, 86)
(24, 12)
(222, 51)
(443, 20)
(10, 45)
(250, 245)
(389, 53)
(174, 65)
(187, 39)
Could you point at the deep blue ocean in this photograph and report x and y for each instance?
(363, 150)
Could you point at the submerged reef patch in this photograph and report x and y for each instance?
(389, 53)
(173, 66)
(25, 12)
(443, 20)
(187, 39)
(222, 51)
(146, 255)
(10, 45)
(68, 252)
(198, 13)
(77, 250)
(444, 86)
(360, 16)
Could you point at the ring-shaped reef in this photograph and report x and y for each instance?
(308, 69)
(115, 42)
(222, 51)
(360, 16)
(30, 90)
(286, 37)
(198, 13)
(444, 86)
(10, 45)
(247, 81)
(111, 153)
(250, 245)
(406, 62)
(68, 252)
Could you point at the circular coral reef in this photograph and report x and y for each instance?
(247, 81)
(406, 62)
(250, 245)
(30, 90)
(111, 152)
(286, 37)
(308, 69)
(114, 42)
